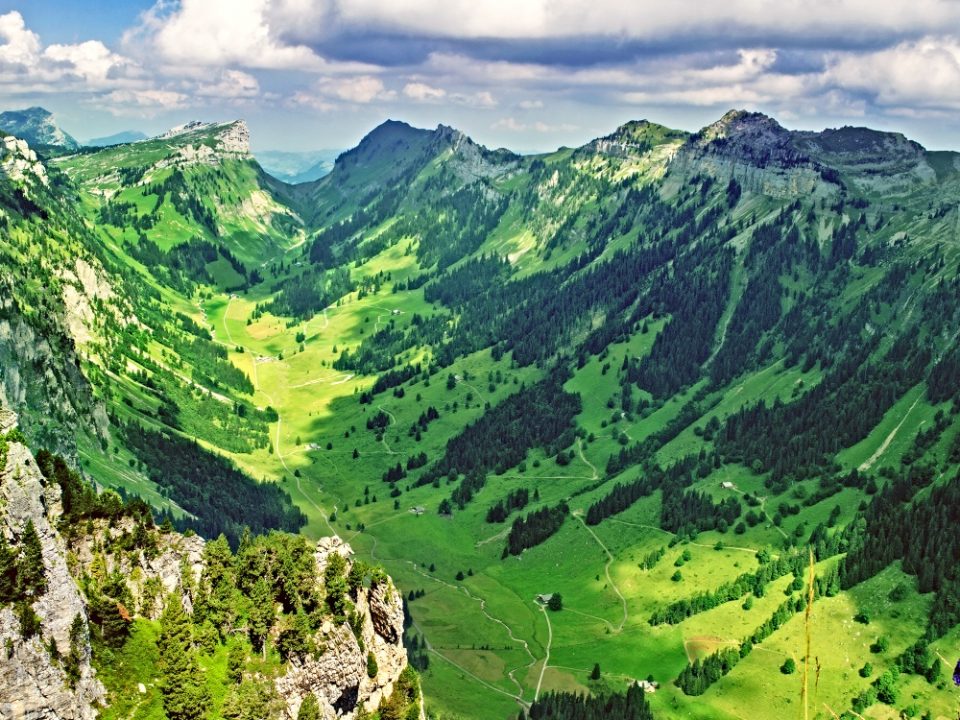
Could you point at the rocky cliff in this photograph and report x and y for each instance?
(354, 664)
(339, 677)
(34, 683)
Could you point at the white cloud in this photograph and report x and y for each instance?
(423, 92)
(88, 65)
(216, 33)
(359, 89)
(923, 74)
(329, 92)
(90, 61)
(530, 104)
(20, 47)
(482, 99)
(511, 124)
(141, 103)
(309, 20)
(232, 85)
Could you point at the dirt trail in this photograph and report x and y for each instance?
(867, 464)
(483, 609)
(383, 438)
(606, 570)
(546, 658)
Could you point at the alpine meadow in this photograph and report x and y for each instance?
(664, 425)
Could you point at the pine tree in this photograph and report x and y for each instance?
(262, 613)
(595, 673)
(8, 572)
(236, 662)
(185, 697)
(33, 581)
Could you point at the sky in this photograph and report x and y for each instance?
(529, 75)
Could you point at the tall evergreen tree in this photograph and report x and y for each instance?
(185, 696)
(31, 577)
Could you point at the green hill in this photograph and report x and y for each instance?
(648, 375)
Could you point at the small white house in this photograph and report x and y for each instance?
(544, 598)
(727, 485)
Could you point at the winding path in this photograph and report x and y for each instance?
(383, 438)
(546, 658)
(606, 570)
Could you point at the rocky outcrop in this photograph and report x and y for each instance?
(40, 378)
(206, 144)
(757, 152)
(338, 676)
(19, 163)
(175, 564)
(33, 685)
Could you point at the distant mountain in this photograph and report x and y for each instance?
(38, 127)
(120, 138)
(297, 167)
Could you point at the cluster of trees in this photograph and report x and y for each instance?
(220, 498)
(539, 415)
(390, 379)
(756, 582)
(921, 533)
(798, 439)
(699, 675)
(501, 510)
(452, 225)
(630, 705)
(310, 292)
(694, 296)
(682, 511)
(186, 200)
(535, 528)
(22, 575)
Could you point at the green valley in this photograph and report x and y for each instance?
(650, 410)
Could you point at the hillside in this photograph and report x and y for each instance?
(647, 375)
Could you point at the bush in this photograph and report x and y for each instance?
(789, 667)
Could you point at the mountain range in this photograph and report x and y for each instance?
(671, 411)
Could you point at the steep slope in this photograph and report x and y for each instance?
(38, 127)
(47, 668)
(195, 183)
(51, 276)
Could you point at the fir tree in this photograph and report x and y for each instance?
(31, 577)
(185, 697)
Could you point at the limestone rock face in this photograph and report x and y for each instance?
(19, 162)
(338, 676)
(32, 685)
(150, 578)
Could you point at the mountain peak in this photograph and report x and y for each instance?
(743, 123)
(37, 126)
(232, 137)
